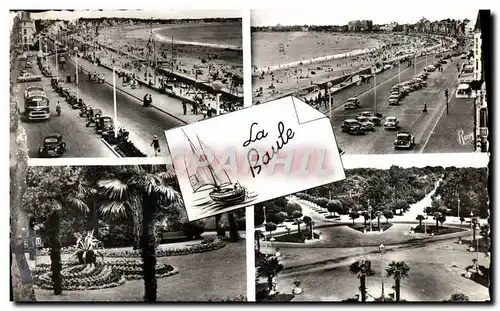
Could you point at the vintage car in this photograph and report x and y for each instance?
(28, 64)
(431, 68)
(28, 77)
(92, 121)
(351, 103)
(46, 71)
(103, 124)
(352, 126)
(391, 123)
(24, 72)
(366, 124)
(404, 140)
(394, 100)
(74, 104)
(53, 145)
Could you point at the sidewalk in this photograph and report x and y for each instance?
(161, 101)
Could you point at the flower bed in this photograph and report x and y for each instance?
(205, 246)
(99, 276)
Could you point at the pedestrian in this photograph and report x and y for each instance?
(156, 145)
(209, 111)
(425, 108)
(195, 108)
(184, 108)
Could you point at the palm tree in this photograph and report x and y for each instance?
(308, 221)
(420, 218)
(353, 215)
(142, 188)
(363, 269)
(53, 190)
(397, 270)
(296, 216)
(269, 268)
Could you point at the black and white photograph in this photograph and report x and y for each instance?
(108, 83)
(387, 233)
(120, 233)
(391, 81)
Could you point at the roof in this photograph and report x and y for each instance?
(477, 28)
(403, 133)
(463, 86)
(54, 135)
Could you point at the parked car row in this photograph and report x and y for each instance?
(403, 89)
(362, 123)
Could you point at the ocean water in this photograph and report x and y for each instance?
(223, 35)
(277, 48)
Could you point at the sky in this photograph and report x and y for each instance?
(165, 14)
(271, 17)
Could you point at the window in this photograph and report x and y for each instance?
(483, 118)
(24, 31)
(25, 40)
(477, 64)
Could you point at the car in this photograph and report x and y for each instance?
(103, 124)
(28, 64)
(404, 140)
(53, 145)
(395, 88)
(29, 77)
(375, 118)
(431, 68)
(46, 71)
(366, 124)
(394, 100)
(22, 57)
(24, 72)
(351, 103)
(352, 126)
(443, 61)
(391, 123)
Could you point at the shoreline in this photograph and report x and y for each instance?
(165, 39)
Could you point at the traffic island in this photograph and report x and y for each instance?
(122, 148)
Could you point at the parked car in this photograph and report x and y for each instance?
(366, 125)
(29, 64)
(394, 100)
(375, 118)
(103, 124)
(431, 68)
(351, 103)
(28, 77)
(53, 145)
(391, 123)
(352, 126)
(404, 140)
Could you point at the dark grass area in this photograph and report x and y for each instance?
(437, 231)
(295, 237)
(375, 227)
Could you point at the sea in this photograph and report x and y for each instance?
(219, 35)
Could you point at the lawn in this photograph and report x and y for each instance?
(205, 276)
(362, 227)
(437, 231)
(295, 237)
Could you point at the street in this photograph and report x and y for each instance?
(409, 113)
(142, 123)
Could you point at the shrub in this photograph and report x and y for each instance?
(194, 229)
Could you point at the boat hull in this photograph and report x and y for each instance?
(229, 196)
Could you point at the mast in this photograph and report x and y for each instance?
(210, 168)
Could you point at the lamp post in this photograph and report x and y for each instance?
(217, 86)
(458, 208)
(382, 250)
(471, 229)
(370, 214)
(264, 208)
(329, 85)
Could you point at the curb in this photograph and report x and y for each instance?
(134, 96)
(111, 148)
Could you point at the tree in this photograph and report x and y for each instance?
(363, 269)
(461, 221)
(308, 221)
(420, 218)
(458, 297)
(398, 271)
(296, 216)
(144, 188)
(353, 216)
(441, 219)
(257, 236)
(388, 214)
(51, 191)
(233, 227)
(270, 227)
(379, 214)
(484, 231)
(334, 206)
(292, 207)
(269, 268)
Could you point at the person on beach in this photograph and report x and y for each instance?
(156, 145)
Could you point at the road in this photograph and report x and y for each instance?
(409, 112)
(80, 140)
(435, 274)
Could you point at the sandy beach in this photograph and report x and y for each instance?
(270, 85)
(202, 58)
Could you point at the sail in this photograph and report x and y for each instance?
(219, 173)
(202, 176)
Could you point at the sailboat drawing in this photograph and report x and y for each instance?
(223, 191)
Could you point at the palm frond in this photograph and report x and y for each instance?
(168, 194)
(114, 189)
(114, 209)
(78, 203)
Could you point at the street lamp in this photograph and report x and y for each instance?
(217, 86)
(382, 250)
(370, 214)
(329, 85)
(264, 208)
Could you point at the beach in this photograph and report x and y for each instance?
(201, 51)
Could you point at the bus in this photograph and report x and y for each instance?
(36, 104)
(466, 74)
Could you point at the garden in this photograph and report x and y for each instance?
(101, 227)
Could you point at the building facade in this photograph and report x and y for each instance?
(27, 30)
(478, 42)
